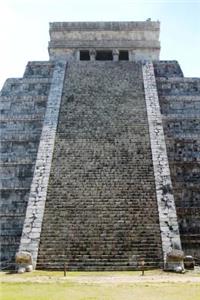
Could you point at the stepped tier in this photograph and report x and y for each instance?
(22, 107)
(180, 105)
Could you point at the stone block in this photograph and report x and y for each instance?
(24, 262)
(189, 262)
(174, 261)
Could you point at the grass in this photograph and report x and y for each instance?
(70, 288)
(71, 291)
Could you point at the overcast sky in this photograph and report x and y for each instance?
(24, 28)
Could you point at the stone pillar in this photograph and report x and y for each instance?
(115, 55)
(77, 55)
(92, 54)
(30, 238)
(166, 206)
(131, 55)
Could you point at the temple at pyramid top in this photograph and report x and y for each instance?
(105, 40)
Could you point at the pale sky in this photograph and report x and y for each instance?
(24, 26)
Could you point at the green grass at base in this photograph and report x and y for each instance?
(74, 291)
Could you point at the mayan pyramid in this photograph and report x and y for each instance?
(100, 152)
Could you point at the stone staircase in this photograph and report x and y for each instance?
(101, 209)
(23, 103)
(180, 107)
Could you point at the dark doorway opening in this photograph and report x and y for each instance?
(84, 55)
(104, 55)
(123, 55)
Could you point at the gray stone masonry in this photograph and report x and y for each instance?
(30, 238)
(110, 169)
(101, 210)
(167, 69)
(180, 106)
(141, 39)
(22, 108)
(165, 199)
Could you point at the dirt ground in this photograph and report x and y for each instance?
(156, 276)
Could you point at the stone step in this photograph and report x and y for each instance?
(13, 211)
(99, 262)
(21, 118)
(52, 266)
(19, 159)
(181, 126)
(15, 183)
(178, 86)
(90, 259)
(21, 137)
(101, 195)
(39, 69)
(192, 238)
(16, 107)
(12, 214)
(17, 148)
(176, 117)
(31, 86)
(182, 135)
(21, 126)
(22, 171)
(185, 107)
(22, 107)
(167, 69)
(180, 102)
(18, 110)
(119, 251)
(178, 79)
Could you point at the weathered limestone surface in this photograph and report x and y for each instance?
(24, 261)
(22, 108)
(165, 69)
(36, 203)
(140, 38)
(180, 106)
(174, 261)
(166, 206)
(101, 210)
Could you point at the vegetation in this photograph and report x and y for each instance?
(98, 286)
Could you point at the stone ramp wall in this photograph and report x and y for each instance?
(23, 103)
(180, 106)
(101, 210)
(30, 237)
(169, 229)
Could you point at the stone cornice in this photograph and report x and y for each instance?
(111, 26)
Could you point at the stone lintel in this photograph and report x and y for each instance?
(125, 44)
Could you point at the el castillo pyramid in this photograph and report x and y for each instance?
(100, 152)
